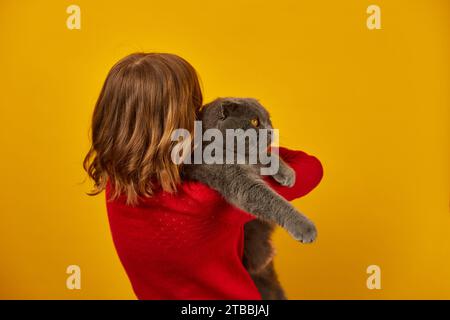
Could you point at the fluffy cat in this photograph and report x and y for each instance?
(242, 186)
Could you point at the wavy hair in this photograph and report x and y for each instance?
(144, 98)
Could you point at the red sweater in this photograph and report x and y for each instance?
(189, 245)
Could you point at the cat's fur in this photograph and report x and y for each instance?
(242, 186)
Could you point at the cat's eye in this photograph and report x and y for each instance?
(255, 122)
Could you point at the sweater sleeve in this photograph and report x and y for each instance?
(308, 170)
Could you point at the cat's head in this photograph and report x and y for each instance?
(237, 113)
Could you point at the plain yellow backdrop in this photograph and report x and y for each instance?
(373, 105)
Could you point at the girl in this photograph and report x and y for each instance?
(175, 239)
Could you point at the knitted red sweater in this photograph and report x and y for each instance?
(189, 245)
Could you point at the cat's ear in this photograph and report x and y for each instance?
(226, 107)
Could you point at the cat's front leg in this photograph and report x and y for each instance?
(301, 228)
(241, 186)
(285, 175)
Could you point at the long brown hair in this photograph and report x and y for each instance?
(144, 98)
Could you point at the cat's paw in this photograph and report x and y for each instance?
(305, 232)
(285, 176)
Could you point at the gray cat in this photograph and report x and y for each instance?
(242, 186)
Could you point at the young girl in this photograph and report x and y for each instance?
(176, 239)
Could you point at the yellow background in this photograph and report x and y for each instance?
(372, 105)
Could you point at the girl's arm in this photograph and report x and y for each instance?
(308, 170)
